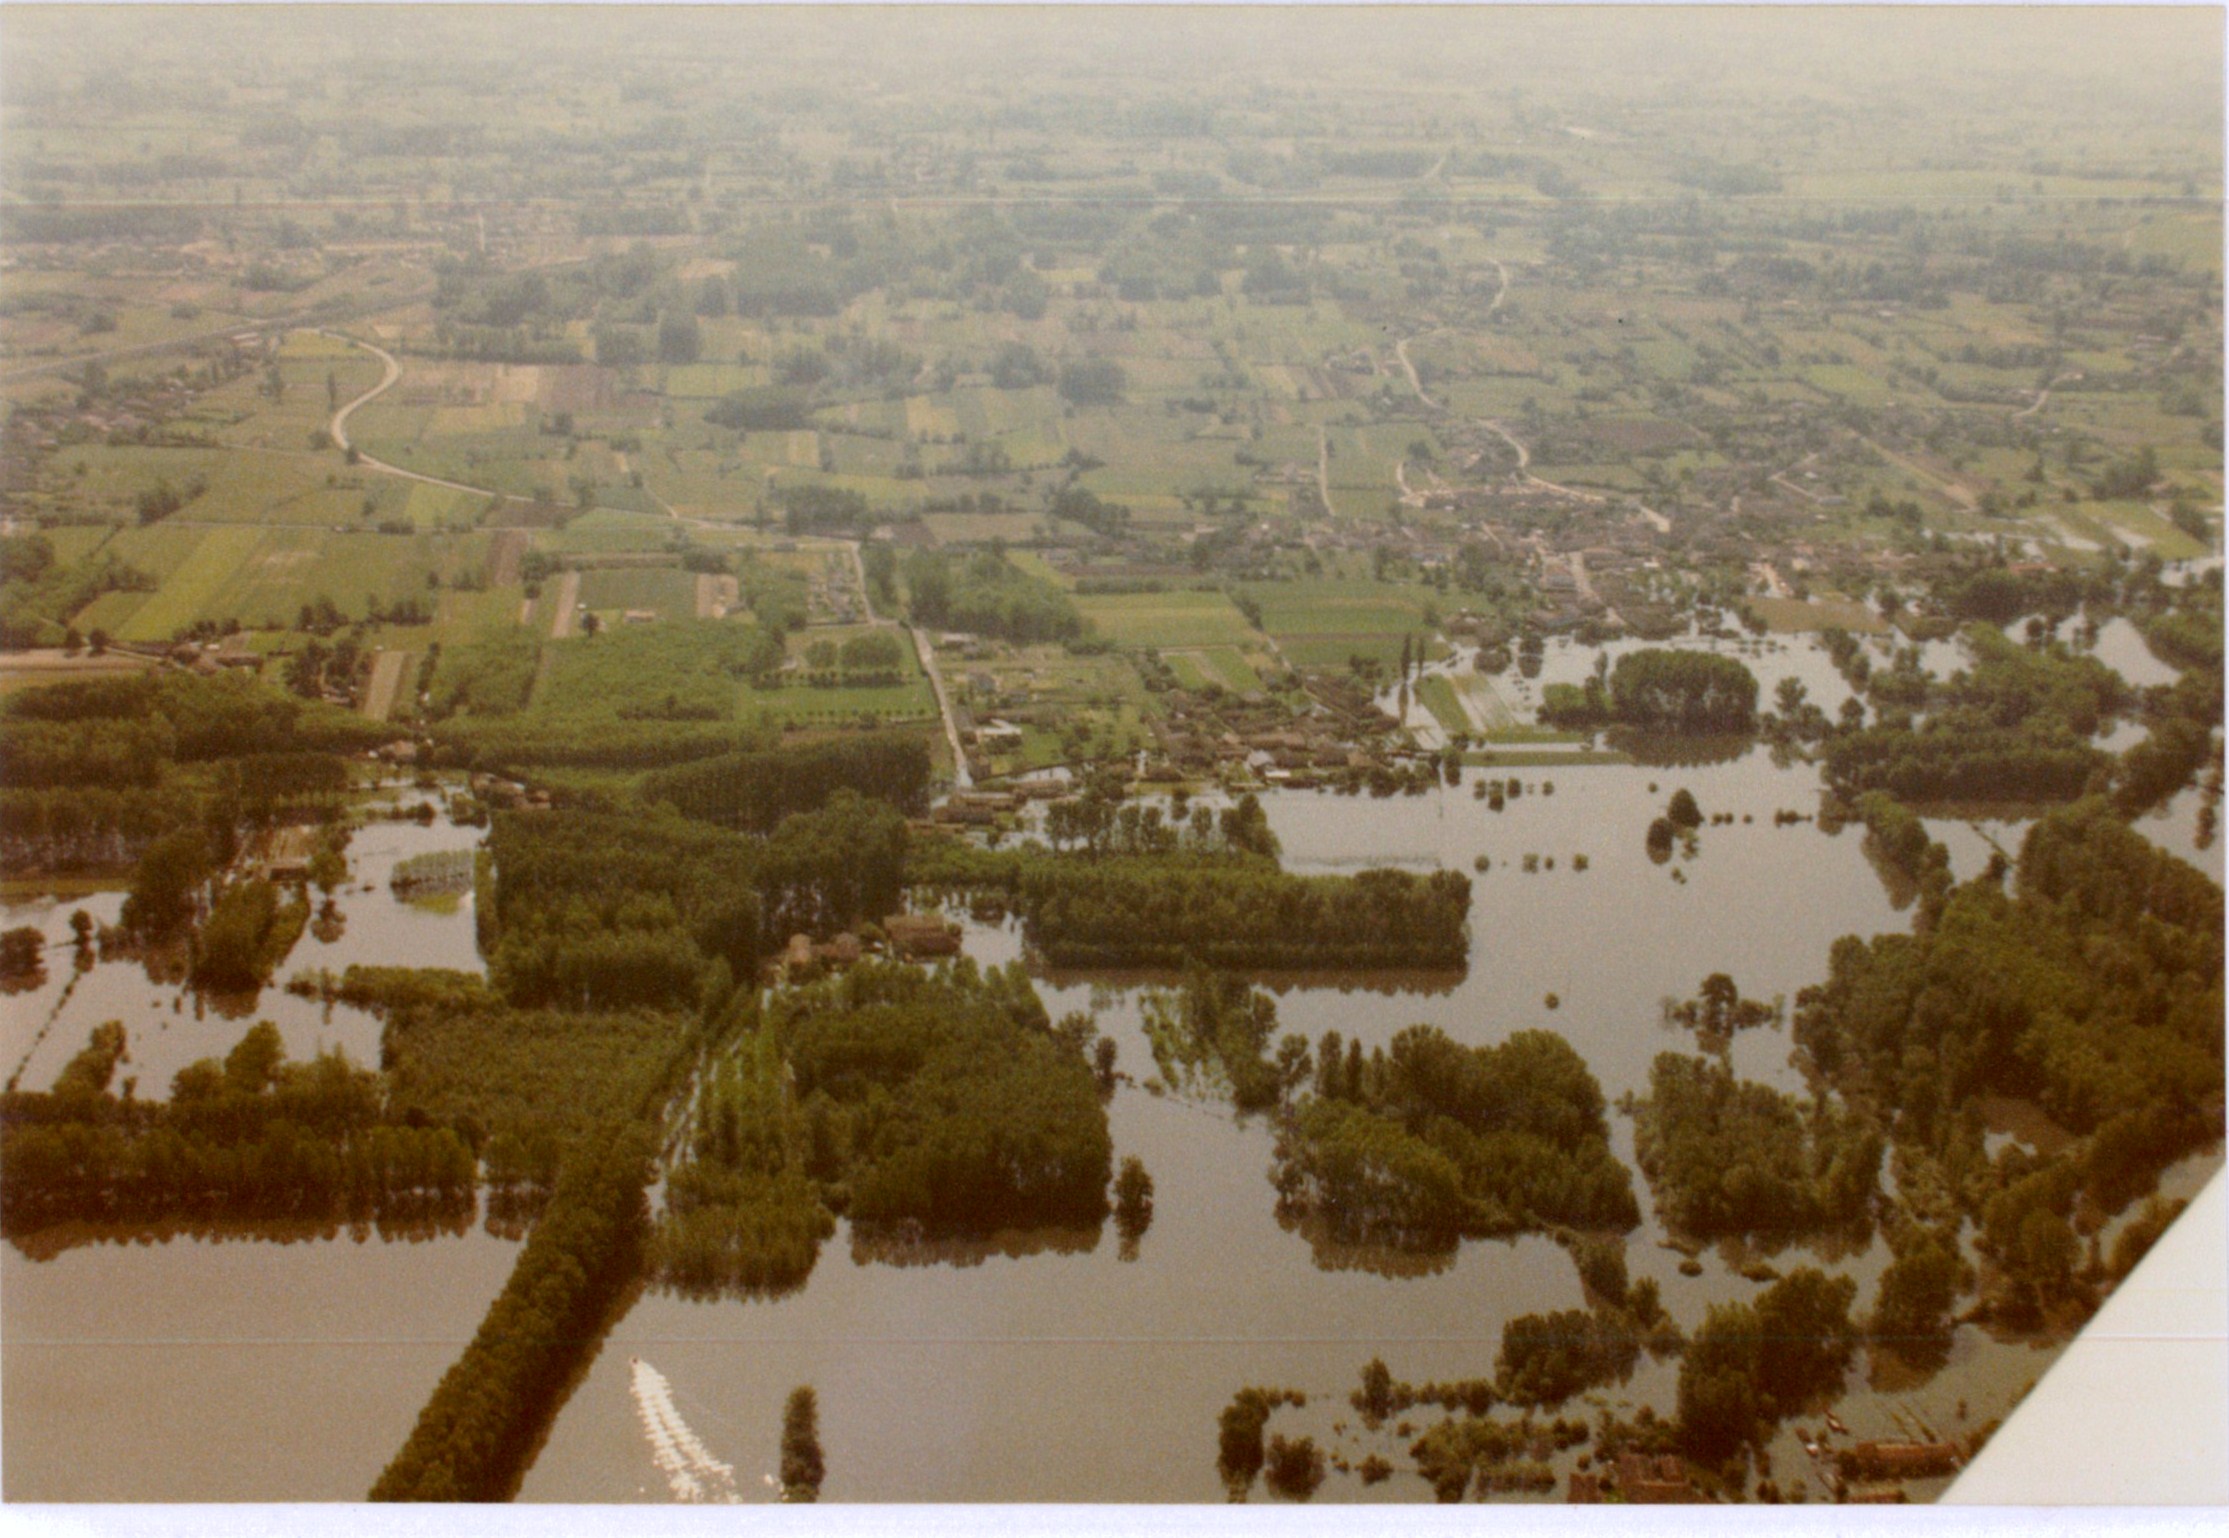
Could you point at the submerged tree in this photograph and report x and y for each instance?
(802, 1465)
(1133, 1205)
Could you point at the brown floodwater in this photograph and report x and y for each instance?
(237, 1369)
(1038, 1366)
(1053, 1369)
(254, 1362)
(168, 1025)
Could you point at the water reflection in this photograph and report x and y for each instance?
(1657, 750)
(435, 1221)
(1388, 982)
(908, 1244)
(1330, 1252)
(168, 1024)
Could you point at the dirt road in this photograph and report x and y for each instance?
(568, 605)
(927, 653)
(388, 671)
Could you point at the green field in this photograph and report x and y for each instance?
(1437, 695)
(1790, 615)
(192, 587)
(1323, 622)
(665, 591)
(605, 531)
(1188, 619)
(261, 576)
(1222, 666)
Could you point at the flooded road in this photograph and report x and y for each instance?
(1053, 1370)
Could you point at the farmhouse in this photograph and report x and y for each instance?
(922, 934)
(1898, 1460)
(286, 855)
(1654, 1481)
(803, 960)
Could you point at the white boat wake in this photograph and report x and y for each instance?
(692, 1473)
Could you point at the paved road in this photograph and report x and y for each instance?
(1662, 524)
(79, 360)
(288, 322)
(568, 594)
(927, 653)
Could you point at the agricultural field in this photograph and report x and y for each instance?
(1274, 426)
(1220, 667)
(616, 592)
(1322, 623)
(1168, 619)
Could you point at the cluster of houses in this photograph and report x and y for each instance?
(1637, 1479)
(914, 936)
(1255, 739)
(130, 410)
(1641, 1479)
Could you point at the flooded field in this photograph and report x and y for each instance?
(1047, 1367)
(1039, 1366)
(259, 1366)
(168, 1025)
(249, 1362)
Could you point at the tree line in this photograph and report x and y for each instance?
(253, 1137)
(1730, 1156)
(938, 1104)
(1228, 910)
(2015, 726)
(985, 594)
(755, 790)
(475, 1437)
(2001, 996)
(94, 773)
(615, 910)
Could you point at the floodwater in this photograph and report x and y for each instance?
(1049, 1368)
(168, 1025)
(1045, 1366)
(245, 1369)
(256, 1362)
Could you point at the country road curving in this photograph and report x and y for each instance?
(568, 595)
(338, 427)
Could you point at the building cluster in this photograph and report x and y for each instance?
(913, 936)
(1636, 1479)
